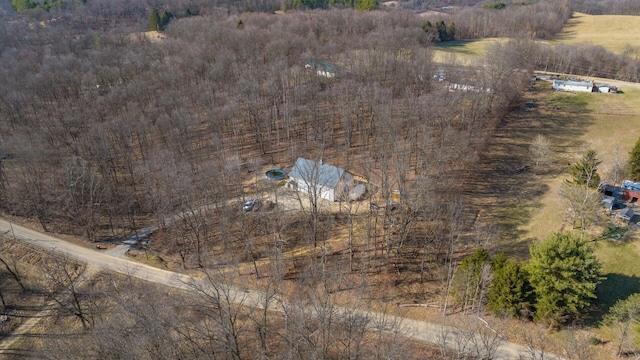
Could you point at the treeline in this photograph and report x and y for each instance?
(538, 20)
(324, 4)
(124, 16)
(608, 7)
(587, 60)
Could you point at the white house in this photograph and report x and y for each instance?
(327, 181)
(571, 85)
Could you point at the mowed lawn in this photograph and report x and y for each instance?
(613, 32)
(612, 130)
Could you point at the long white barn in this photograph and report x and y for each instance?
(571, 85)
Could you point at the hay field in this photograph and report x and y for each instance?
(613, 32)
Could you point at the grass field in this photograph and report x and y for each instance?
(613, 32)
(463, 52)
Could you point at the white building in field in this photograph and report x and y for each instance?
(576, 86)
(327, 181)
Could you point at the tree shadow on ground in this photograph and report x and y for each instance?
(615, 287)
(507, 187)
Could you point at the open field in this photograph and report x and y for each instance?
(463, 52)
(609, 31)
(610, 128)
(613, 32)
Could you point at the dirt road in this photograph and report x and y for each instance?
(418, 330)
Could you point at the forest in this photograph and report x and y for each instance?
(106, 128)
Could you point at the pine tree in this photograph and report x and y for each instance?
(585, 171)
(510, 290)
(451, 33)
(441, 27)
(634, 162)
(154, 21)
(164, 19)
(366, 5)
(21, 5)
(564, 273)
(625, 314)
(470, 282)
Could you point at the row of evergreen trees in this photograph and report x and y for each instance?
(440, 30)
(555, 286)
(157, 22)
(364, 5)
(21, 5)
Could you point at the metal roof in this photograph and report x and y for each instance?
(627, 214)
(572, 83)
(313, 172)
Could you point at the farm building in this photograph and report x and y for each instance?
(626, 214)
(571, 85)
(609, 202)
(580, 86)
(327, 181)
(630, 191)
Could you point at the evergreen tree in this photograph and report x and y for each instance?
(626, 315)
(564, 273)
(366, 5)
(510, 289)
(21, 5)
(451, 33)
(470, 282)
(427, 26)
(441, 27)
(164, 19)
(154, 21)
(585, 171)
(634, 162)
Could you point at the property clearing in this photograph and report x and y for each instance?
(462, 52)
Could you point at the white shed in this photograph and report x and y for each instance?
(327, 181)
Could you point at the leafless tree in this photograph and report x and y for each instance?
(540, 150)
(68, 285)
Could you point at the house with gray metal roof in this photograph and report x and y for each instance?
(326, 181)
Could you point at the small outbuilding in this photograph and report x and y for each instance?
(609, 202)
(326, 181)
(626, 214)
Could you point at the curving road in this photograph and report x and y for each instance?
(415, 329)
